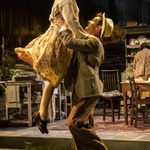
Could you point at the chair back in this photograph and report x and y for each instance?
(136, 101)
(134, 89)
(111, 80)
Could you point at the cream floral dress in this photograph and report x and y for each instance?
(46, 53)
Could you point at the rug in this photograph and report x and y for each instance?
(101, 125)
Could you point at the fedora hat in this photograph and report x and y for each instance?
(107, 27)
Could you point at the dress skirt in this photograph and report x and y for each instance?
(47, 55)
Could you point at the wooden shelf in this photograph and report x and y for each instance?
(13, 98)
(133, 46)
(133, 32)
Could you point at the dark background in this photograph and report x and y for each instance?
(15, 14)
(23, 20)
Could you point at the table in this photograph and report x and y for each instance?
(143, 86)
(28, 85)
(2, 84)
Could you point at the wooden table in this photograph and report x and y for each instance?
(143, 86)
(26, 84)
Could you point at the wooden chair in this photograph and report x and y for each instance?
(111, 94)
(136, 102)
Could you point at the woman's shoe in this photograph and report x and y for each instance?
(42, 125)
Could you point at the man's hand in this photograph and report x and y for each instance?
(59, 21)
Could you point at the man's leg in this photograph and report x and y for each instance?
(85, 139)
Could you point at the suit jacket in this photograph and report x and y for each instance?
(89, 56)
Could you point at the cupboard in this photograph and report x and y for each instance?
(134, 37)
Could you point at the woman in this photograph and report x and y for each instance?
(141, 66)
(49, 57)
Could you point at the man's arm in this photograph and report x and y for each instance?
(89, 44)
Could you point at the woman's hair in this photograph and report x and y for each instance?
(145, 45)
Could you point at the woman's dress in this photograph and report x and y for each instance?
(47, 55)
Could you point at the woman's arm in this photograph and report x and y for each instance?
(72, 20)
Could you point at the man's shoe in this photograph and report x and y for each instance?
(42, 125)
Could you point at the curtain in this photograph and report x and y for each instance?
(18, 16)
(132, 10)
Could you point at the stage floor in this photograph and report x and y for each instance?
(116, 136)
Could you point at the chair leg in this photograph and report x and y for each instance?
(145, 117)
(7, 113)
(112, 110)
(132, 115)
(104, 110)
(91, 120)
(119, 110)
(136, 116)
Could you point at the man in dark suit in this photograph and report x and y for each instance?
(84, 80)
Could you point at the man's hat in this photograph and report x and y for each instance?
(107, 26)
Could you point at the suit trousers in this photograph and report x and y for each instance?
(84, 138)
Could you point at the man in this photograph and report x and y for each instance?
(87, 86)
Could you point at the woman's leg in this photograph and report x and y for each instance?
(45, 100)
(41, 116)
